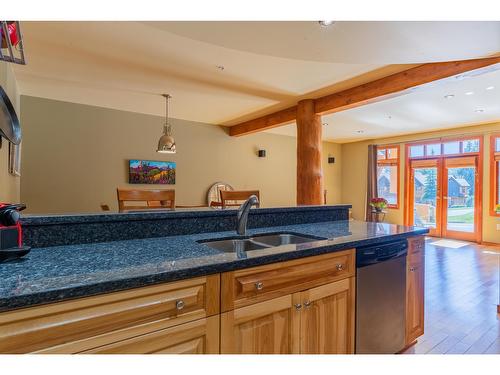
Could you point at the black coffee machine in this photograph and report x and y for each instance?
(11, 234)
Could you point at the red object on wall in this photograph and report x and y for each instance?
(13, 35)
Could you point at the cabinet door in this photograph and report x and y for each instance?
(198, 337)
(270, 327)
(415, 274)
(327, 319)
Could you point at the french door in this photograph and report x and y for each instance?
(444, 196)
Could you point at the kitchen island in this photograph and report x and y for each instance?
(123, 295)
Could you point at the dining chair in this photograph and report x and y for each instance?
(227, 196)
(151, 199)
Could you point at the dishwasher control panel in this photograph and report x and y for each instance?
(378, 253)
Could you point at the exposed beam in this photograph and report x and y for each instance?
(390, 86)
(279, 118)
(397, 84)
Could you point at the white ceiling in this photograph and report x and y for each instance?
(267, 65)
(425, 109)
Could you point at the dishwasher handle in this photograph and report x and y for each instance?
(369, 255)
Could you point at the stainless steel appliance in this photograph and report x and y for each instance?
(380, 298)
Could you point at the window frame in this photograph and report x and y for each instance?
(391, 162)
(494, 174)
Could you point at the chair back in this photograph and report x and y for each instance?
(152, 199)
(230, 197)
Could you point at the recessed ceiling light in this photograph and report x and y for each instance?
(326, 23)
(469, 93)
(490, 87)
(479, 110)
(220, 67)
(449, 96)
(360, 131)
(325, 124)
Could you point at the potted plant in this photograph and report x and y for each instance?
(378, 204)
(497, 209)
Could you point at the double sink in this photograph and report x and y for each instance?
(259, 241)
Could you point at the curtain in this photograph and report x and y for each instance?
(371, 186)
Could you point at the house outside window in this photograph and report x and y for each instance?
(388, 174)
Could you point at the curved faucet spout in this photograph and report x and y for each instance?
(242, 216)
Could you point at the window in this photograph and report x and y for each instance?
(445, 147)
(495, 173)
(388, 174)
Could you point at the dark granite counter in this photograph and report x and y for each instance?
(57, 273)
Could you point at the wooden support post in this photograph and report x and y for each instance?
(309, 170)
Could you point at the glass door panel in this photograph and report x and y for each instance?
(459, 194)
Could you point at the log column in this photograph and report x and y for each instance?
(309, 170)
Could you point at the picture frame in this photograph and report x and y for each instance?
(15, 159)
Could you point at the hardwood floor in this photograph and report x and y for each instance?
(461, 294)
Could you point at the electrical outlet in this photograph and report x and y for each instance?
(498, 226)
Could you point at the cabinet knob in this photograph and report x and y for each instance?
(259, 286)
(412, 269)
(179, 305)
(307, 304)
(298, 306)
(340, 267)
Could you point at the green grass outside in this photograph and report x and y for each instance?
(465, 218)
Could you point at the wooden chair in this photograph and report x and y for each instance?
(234, 195)
(154, 199)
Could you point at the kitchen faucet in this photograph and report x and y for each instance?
(242, 216)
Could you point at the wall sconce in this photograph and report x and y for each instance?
(262, 153)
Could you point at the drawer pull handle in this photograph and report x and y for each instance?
(179, 305)
(259, 286)
(307, 304)
(298, 306)
(412, 269)
(340, 267)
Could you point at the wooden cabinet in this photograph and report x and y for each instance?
(198, 337)
(327, 319)
(270, 327)
(415, 283)
(86, 323)
(312, 321)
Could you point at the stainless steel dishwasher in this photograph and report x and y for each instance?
(380, 298)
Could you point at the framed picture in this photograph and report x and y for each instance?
(151, 172)
(15, 159)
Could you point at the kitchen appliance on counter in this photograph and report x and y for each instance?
(11, 236)
(380, 298)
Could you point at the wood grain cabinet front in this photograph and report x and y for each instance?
(78, 325)
(415, 284)
(316, 321)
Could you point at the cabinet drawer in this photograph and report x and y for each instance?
(416, 249)
(248, 286)
(61, 324)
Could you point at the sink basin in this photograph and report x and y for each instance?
(234, 245)
(258, 242)
(279, 239)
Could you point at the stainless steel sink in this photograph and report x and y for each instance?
(279, 239)
(234, 245)
(258, 242)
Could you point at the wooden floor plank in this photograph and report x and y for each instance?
(461, 294)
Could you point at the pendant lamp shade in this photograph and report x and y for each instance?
(166, 143)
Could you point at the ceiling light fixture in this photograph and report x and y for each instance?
(166, 143)
(220, 67)
(469, 93)
(360, 131)
(490, 87)
(479, 110)
(325, 124)
(449, 96)
(326, 23)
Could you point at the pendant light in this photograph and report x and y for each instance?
(166, 143)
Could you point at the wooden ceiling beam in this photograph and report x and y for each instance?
(273, 120)
(390, 86)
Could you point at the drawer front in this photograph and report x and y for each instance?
(248, 286)
(416, 249)
(61, 324)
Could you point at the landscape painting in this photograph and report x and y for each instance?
(151, 172)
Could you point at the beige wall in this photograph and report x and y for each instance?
(9, 184)
(353, 177)
(74, 156)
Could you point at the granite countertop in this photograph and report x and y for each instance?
(58, 273)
